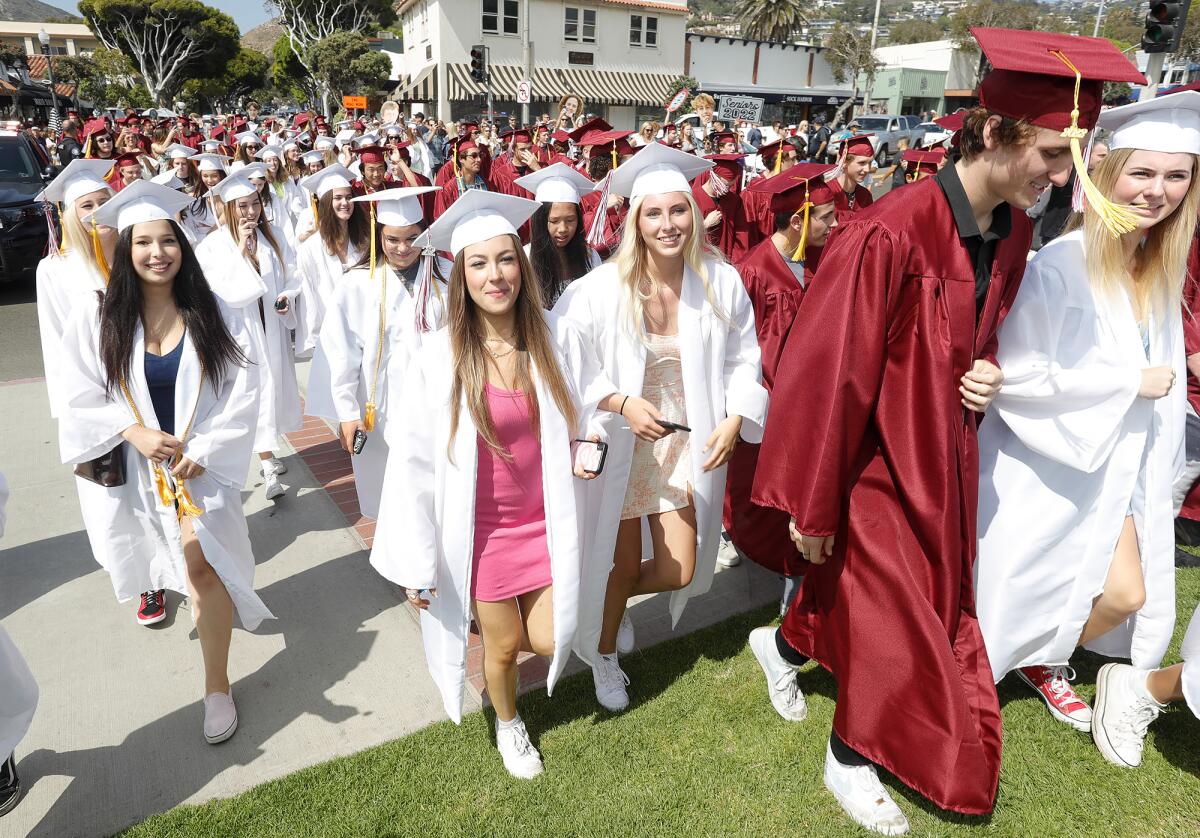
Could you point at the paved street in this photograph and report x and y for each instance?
(117, 733)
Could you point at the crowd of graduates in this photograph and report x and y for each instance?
(551, 367)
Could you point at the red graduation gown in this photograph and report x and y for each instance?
(761, 532)
(757, 208)
(886, 458)
(732, 235)
(841, 204)
(1191, 343)
(449, 194)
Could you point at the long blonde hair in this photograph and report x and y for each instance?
(633, 263)
(1160, 265)
(77, 235)
(470, 357)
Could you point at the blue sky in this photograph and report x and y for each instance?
(247, 13)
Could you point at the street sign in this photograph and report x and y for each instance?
(677, 100)
(735, 108)
(353, 103)
(524, 92)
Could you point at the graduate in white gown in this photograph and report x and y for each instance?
(252, 268)
(480, 508)
(558, 248)
(18, 699)
(674, 329)
(167, 375)
(199, 218)
(364, 368)
(340, 241)
(1081, 447)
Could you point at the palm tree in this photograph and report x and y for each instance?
(773, 20)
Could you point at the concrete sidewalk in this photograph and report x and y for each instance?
(117, 734)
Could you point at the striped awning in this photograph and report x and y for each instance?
(601, 87)
(420, 88)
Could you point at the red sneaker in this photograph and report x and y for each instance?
(154, 607)
(1053, 684)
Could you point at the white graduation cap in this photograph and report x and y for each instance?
(476, 217)
(356, 169)
(169, 180)
(1169, 124)
(310, 157)
(269, 151)
(343, 137)
(209, 146)
(393, 130)
(288, 146)
(324, 144)
(138, 203)
(79, 177)
(177, 151)
(248, 138)
(557, 183)
(211, 162)
(656, 170)
(331, 177)
(235, 186)
(251, 170)
(397, 207)
(365, 140)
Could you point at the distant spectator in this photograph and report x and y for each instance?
(818, 143)
(68, 146)
(753, 136)
(646, 135)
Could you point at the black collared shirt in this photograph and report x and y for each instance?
(980, 246)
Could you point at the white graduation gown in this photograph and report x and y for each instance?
(722, 376)
(63, 281)
(350, 342)
(18, 690)
(1191, 664)
(199, 220)
(320, 273)
(145, 551)
(426, 536)
(244, 289)
(1066, 449)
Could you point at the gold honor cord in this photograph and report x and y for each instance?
(1117, 218)
(798, 256)
(186, 506)
(369, 413)
(98, 252)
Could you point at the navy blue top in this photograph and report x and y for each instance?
(161, 371)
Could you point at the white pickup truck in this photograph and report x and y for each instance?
(888, 129)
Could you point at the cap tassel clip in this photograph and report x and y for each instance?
(1118, 219)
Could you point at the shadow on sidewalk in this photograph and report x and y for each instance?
(320, 615)
(30, 571)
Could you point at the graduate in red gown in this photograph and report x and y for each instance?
(777, 157)
(375, 177)
(605, 151)
(466, 165)
(883, 378)
(854, 159)
(519, 161)
(718, 195)
(777, 272)
(404, 176)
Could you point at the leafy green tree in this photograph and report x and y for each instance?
(168, 41)
(915, 32)
(772, 20)
(101, 77)
(679, 84)
(851, 57)
(344, 63)
(289, 76)
(247, 71)
(1005, 14)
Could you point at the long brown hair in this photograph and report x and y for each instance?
(263, 226)
(471, 360)
(330, 228)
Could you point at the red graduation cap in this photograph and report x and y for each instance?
(128, 158)
(723, 137)
(922, 160)
(728, 166)
(372, 154)
(1035, 75)
(593, 125)
(859, 145)
(952, 122)
(522, 135)
(470, 128)
(560, 136)
(797, 190)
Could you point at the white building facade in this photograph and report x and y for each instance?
(620, 56)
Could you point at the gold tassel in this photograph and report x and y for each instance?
(313, 200)
(187, 507)
(1118, 219)
(62, 245)
(798, 254)
(369, 417)
(98, 252)
(779, 160)
(165, 496)
(614, 155)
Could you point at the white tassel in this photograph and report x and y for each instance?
(595, 236)
(424, 290)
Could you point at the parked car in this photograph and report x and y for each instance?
(25, 169)
(888, 129)
(934, 133)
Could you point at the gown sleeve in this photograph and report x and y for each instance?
(344, 352)
(90, 422)
(745, 395)
(830, 372)
(1057, 400)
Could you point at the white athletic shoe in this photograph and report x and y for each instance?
(220, 717)
(278, 465)
(521, 758)
(1123, 711)
(782, 686)
(858, 790)
(610, 681)
(727, 554)
(272, 488)
(625, 636)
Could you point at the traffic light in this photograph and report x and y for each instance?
(1164, 25)
(479, 67)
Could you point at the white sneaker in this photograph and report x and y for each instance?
(220, 717)
(1123, 711)
(625, 636)
(728, 555)
(610, 682)
(521, 758)
(866, 801)
(272, 488)
(277, 465)
(782, 685)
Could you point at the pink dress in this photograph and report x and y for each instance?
(511, 556)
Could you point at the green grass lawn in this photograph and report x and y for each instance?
(701, 752)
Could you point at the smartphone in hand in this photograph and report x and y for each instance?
(589, 456)
(360, 441)
(673, 426)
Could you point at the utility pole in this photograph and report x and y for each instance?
(874, 37)
(1154, 71)
(527, 57)
(1099, 17)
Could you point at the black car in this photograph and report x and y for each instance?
(25, 169)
